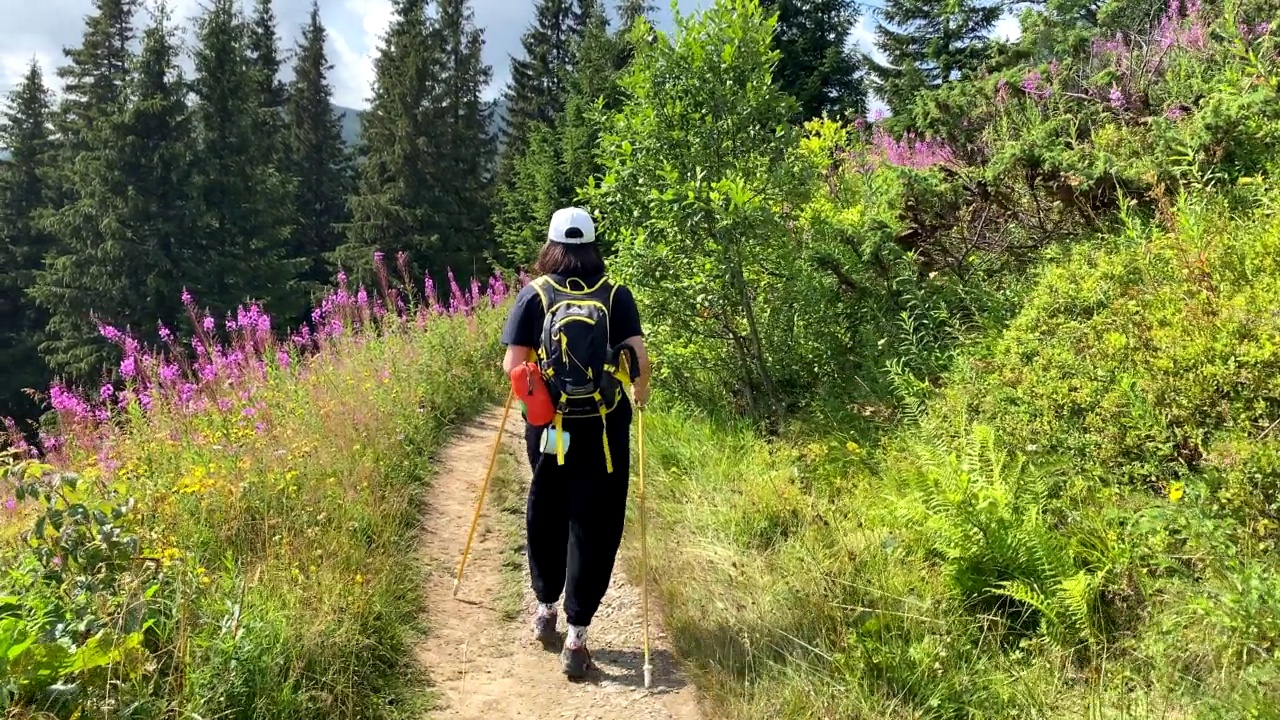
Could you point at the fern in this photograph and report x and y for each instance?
(982, 514)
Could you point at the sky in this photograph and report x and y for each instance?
(41, 29)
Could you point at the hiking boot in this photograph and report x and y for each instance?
(544, 624)
(575, 660)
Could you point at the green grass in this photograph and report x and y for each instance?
(507, 508)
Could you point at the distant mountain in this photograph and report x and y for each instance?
(350, 118)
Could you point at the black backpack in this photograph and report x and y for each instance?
(578, 365)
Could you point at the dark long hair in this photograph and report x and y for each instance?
(579, 260)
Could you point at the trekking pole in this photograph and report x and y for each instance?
(644, 555)
(493, 459)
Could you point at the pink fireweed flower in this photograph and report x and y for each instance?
(208, 324)
(106, 391)
(64, 400)
(187, 300)
(168, 373)
(11, 503)
(429, 287)
(282, 358)
(457, 301)
(1002, 92)
(129, 366)
(1116, 98)
(1031, 84)
(111, 334)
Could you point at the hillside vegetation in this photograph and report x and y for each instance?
(1010, 381)
(967, 411)
(232, 535)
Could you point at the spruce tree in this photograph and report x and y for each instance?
(93, 83)
(559, 158)
(632, 11)
(467, 158)
(395, 205)
(537, 95)
(25, 131)
(537, 90)
(818, 67)
(927, 44)
(630, 14)
(244, 200)
(94, 78)
(158, 157)
(532, 193)
(125, 240)
(82, 279)
(318, 158)
(264, 55)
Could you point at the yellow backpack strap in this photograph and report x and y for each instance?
(604, 433)
(537, 284)
(559, 440)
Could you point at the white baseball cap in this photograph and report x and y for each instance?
(572, 226)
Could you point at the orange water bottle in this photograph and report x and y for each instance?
(529, 388)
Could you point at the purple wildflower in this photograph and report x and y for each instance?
(1117, 98)
(1031, 84)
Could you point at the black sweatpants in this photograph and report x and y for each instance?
(576, 512)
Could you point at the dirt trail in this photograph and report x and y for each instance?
(486, 666)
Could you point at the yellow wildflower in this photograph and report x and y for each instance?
(1176, 491)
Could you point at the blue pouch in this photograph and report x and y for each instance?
(549, 440)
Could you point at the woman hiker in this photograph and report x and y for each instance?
(577, 499)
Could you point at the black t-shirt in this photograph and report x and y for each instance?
(524, 324)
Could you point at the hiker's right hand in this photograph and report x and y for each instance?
(639, 395)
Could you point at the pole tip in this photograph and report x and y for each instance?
(455, 588)
(648, 676)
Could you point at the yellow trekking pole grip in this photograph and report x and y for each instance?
(488, 475)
